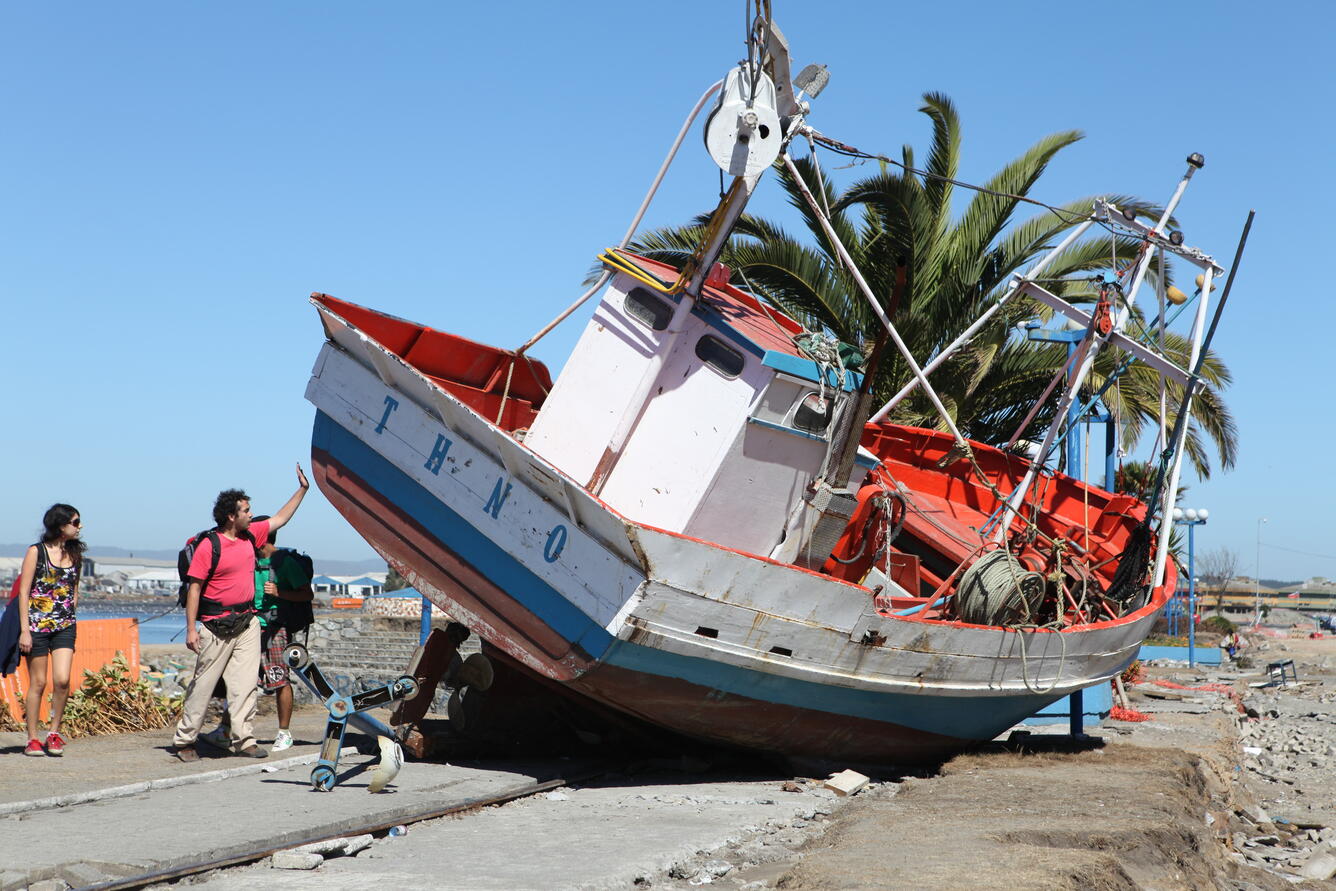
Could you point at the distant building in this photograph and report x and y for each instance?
(365, 585)
(11, 566)
(151, 581)
(1243, 595)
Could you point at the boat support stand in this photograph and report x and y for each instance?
(344, 710)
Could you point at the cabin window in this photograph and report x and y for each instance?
(719, 356)
(647, 309)
(813, 414)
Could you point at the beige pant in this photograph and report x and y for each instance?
(236, 660)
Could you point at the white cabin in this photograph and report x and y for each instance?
(727, 419)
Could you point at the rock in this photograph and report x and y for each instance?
(717, 868)
(1255, 813)
(295, 860)
(846, 782)
(1321, 867)
(558, 796)
(336, 847)
(48, 885)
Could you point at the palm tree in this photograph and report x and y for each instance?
(935, 274)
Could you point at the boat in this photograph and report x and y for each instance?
(702, 526)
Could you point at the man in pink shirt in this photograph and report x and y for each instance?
(227, 639)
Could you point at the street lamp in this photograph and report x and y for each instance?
(1191, 518)
(1257, 579)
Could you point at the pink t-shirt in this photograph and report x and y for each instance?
(233, 584)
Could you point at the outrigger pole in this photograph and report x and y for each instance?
(1097, 339)
(919, 374)
(1017, 283)
(1181, 421)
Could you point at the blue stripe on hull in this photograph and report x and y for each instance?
(460, 536)
(966, 718)
(961, 717)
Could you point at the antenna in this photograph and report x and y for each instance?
(812, 80)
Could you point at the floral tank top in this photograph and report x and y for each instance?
(51, 602)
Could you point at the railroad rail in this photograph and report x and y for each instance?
(378, 826)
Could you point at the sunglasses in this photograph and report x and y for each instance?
(76, 523)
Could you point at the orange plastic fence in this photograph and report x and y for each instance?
(98, 643)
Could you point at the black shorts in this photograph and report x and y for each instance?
(43, 642)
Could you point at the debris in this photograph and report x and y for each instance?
(717, 868)
(397, 831)
(846, 782)
(48, 885)
(336, 847)
(1321, 867)
(1255, 813)
(295, 860)
(558, 796)
(791, 786)
(391, 761)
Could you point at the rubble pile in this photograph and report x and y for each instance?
(1288, 746)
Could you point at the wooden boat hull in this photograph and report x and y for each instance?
(691, 695)
(681, 633)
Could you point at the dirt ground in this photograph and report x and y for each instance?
(1120, 817)
(1163, 804)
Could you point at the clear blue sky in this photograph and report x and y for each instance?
(178, 177)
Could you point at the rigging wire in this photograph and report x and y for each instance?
(1066, 216)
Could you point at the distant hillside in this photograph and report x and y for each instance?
(327, 567)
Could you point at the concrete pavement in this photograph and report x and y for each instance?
(117, 806)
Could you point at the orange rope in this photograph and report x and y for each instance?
(1206, 688)
(1118, 713)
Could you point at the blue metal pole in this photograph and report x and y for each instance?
(1076, 703)
(426, 621)
(1192, 599)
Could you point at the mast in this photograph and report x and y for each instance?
(756, 116)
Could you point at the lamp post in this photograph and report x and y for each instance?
(1191, 518)
(1257, 579)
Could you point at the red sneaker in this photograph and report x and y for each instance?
(55, 746)
(35, 749)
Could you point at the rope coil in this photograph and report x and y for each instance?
(998, 590)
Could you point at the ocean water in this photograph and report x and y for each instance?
(154, 627)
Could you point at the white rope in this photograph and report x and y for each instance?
(630, 230)
(1025, 674)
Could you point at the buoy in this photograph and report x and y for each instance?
(1201, 280)
(1176, 297)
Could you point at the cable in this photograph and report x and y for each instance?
(1297, 551)
(840, 148)
(1065, 216)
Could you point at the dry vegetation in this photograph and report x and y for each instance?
(109, 702)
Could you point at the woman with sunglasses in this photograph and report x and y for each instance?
(48, 596)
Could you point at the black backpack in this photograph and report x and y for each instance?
(187, 553)
(292, 615)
